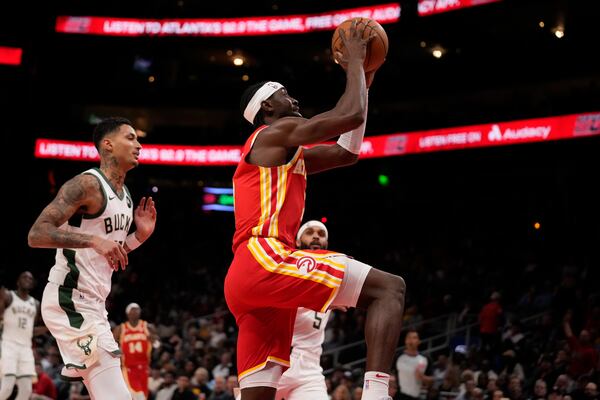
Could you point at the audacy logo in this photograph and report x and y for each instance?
(528, 132)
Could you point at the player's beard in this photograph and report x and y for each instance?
(311, 246)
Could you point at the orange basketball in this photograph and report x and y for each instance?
(377, 48)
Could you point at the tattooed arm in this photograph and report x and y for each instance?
(82, 194)
(76, 195)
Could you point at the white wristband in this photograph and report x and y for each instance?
(352, 141)
(132, 242)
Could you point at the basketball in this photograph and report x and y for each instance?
(376, 49)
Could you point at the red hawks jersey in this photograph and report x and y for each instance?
(135, 343)
(268, 201)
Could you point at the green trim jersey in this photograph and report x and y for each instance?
(19, 319)
(84, 269)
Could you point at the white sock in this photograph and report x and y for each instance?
(376, 386)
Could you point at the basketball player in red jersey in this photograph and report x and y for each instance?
(268, 278)
(135, 339)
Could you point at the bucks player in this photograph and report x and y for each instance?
(20, 314)
(304, 379)
(88, 223)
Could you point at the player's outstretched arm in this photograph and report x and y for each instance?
(81, 194)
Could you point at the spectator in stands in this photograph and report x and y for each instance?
(44, 388)
(477, 394)
(53, 364)
(555, 396)
(515, 389)
(357, 393)
(412, 318)
(220, 390)
(562, 385)
(165, 327)
(451, 380)
(218, 335)
(232, 383)
(467, 393)
(560, 367)
(591, 391)
(584, 357)
(540, 390)
(486, 369)
(512, 367)
(224, 367)
(440, 368)
(489, 323)
(412, 368)
(78, 391)
(491, 388)
(543, 370)
(189, 367)
(341, 393)
(154, 380)
(183, 391)
(481, 379)
(466, 376)
(168, 387)
(200, 382)
(513, 336)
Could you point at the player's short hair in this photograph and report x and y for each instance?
(247, 96)
(107, 126)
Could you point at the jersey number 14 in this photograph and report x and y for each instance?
(135, 347)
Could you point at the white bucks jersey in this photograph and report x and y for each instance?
(84, 269)
(19, 319)
(309, 331)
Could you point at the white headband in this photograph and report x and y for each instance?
(130, 306)
(312, 224)
(261, 95)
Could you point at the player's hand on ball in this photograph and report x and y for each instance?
(354, 45)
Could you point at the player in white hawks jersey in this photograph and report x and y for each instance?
(88, 223)
(21, 321)
(304, 379)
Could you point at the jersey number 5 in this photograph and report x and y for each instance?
(318, 320)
